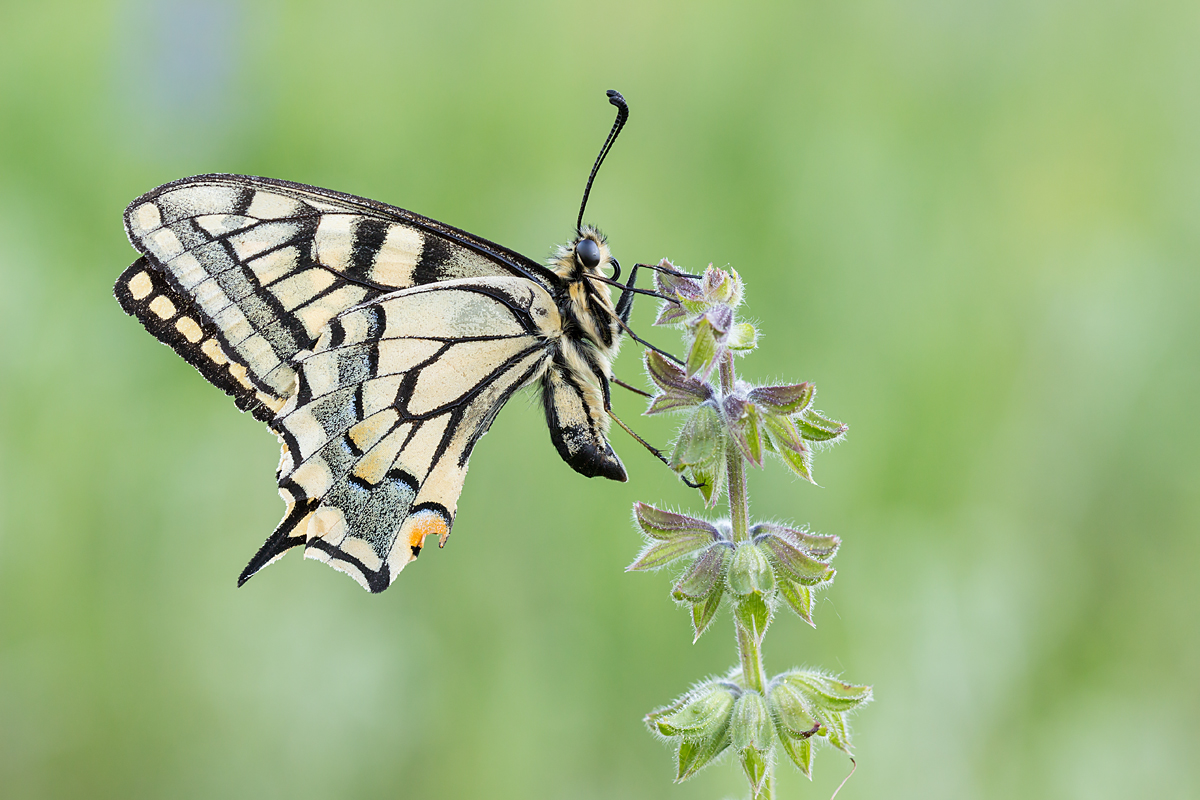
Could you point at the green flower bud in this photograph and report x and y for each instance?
(752, 732)
(700, 721)
(697, 714)
(750, 572)
(826, 700)
(700, 449)
(792, 718)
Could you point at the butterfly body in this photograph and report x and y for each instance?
(377, 344)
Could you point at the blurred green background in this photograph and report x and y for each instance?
(973, 225)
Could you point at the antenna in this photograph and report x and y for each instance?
(615, 98)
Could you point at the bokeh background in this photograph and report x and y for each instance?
(973, 225)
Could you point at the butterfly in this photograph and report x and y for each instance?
(378, 344)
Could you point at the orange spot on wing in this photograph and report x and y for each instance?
(426, 523)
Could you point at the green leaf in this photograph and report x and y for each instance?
(799, 598)
(747, 435)
(800, 752)
(659, 554)
(821, 546)
(670, 313)
(668, 525)
(786, 400)
(783, 433)
(794, 563)
(817, 428)
(743, 338)
(837, 731)
(706, 574)
(704, 612)
(703, 352)
(785, 441)
(666, 283)
(829, 694)
(671, 378)
(756, 764)
(670, 401)
(697, 714)
(695, 754)
(753, 613)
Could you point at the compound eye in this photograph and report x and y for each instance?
(588, 252)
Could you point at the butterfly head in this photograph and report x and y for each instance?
(587, 255)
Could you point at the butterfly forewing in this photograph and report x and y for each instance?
(268, 263)
(144, 292)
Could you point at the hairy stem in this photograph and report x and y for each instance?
(749, 640)
(739, 500)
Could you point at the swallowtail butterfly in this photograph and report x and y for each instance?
(377, 344)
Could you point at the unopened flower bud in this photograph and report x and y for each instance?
(696, 713)
(750, 571)
(752, 732)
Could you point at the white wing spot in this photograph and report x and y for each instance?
(331, 244)
(140, 285)
(238, 371)
(213, 350)
(145, 218)
(162, 307)
(190, 330)
(165, 244)
(268, 205)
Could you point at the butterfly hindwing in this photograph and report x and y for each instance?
(263, 265)
(389, 404)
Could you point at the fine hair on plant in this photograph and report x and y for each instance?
(752, 567)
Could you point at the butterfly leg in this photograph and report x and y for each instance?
(625, 301)
(654, 450)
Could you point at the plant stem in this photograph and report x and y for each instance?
(739, 500)
(748, 639)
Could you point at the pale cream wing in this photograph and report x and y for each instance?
(262, 265)
(389, 404)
